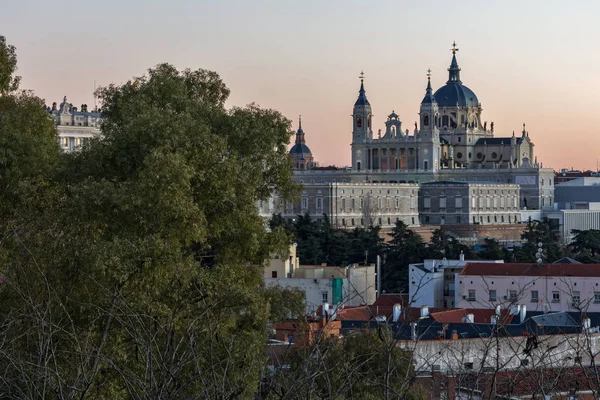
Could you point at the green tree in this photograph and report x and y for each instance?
(586, 246)
(443, 245)
(133, 275)
(546, 232)
(493, 250)
(8, 66)
(406, 247)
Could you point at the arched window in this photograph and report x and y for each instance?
(369, 121)
(445, 120)
(426, 120)
(358, 122)
(358, 165)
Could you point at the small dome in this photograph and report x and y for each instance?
(454, 93)
(300, 148)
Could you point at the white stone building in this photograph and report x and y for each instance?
(546, 287)
(433, 282)
(75, 126)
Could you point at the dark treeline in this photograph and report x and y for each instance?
(321, 243)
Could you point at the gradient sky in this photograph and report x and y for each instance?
(527, 61)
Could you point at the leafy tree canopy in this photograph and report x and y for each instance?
(132, 266)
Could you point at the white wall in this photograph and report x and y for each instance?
(523, 286)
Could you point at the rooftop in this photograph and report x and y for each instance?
(524, 269)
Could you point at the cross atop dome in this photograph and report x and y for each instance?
(361, 76)
(429, 73)
(454, 49)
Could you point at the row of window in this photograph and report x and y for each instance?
(484, 202)
(379, 221)
(513, 296)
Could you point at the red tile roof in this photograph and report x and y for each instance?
(515, 269)
(480, 316)
(361, 313)
(391, 299)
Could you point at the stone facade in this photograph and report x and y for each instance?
(351, 205)
(442, 203)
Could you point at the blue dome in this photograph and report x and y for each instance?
(300, 148)
(455, 93)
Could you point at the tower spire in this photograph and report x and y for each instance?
(429, 81)
(454, 70)
(300, 133)
(362, 97)
(428, 99)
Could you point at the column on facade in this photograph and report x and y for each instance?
(417, 166)
(397, 165)
(387, 152)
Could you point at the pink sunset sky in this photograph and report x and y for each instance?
(527, 61)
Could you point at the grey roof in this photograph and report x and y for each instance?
(362, 97)
(300, 148)
(497, 140)
(445, 183)
(554, 319)
(444, 141)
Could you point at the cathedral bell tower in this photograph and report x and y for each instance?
(429, 111)
(362, 132)
(361, 115)
(429, 135)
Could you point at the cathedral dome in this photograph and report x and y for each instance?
(453, 94)
(300, 148)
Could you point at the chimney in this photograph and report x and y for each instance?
(586, 324)
(462, 256)
(523, 313)
(424, 311)
(413, 330)
(396, 312)
(325, 310)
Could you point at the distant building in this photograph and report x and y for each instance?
(300, 153)
(75, 126)
(442, 203)
(349, 286)
(566, 175)
(546, 287)
(350, 205)
(449, 142)
(433, 282)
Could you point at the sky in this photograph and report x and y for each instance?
(533, 62)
